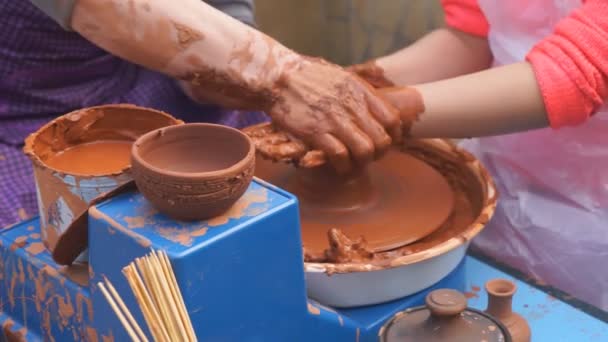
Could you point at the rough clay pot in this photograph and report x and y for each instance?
(500, 295)
(193, 171)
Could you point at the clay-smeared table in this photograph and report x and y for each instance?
(395, 201)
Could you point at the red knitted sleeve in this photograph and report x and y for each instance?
(571, 65)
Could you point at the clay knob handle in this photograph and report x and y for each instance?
(446, 302)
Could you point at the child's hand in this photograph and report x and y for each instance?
(407, 100)
(372, 73)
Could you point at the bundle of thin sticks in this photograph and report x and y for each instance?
(153, 283)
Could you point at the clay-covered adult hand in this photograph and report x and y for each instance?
(332, 110)
(407, 101)
(277, 145)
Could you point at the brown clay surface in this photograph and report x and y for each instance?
(396, 201)
(474, 202)
(95, 158)
(194, 171)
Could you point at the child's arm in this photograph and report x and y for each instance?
(469, 103)
(492, 102)
(460, 48)
(564, 81)
(441, 54)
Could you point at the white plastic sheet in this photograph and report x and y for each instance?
(552, 217)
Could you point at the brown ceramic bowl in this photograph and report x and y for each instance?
(193, 171)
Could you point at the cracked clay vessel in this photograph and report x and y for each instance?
(193, 171)
(444, 318)
(81, 155)
(500, 295)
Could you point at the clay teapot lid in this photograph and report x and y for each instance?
(445, 317)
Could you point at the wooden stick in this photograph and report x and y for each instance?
(153, 284)
(155, 309)
(159, 297)
(122, 319)
(124, 308)
(178, 295)
(168, 295)
(143, 300)
(174, 295)
(149, 295)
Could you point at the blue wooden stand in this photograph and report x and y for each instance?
(242, 279)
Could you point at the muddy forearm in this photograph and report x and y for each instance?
(492, 102)
(441, 54)
(192, 42)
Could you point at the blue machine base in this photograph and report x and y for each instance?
(241, 276)
(54, 306)
(40, 300)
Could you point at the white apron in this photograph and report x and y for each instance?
(552, 219)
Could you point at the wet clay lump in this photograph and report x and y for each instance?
(95, 158)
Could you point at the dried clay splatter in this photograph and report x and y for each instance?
(107, 338)
(141, 240)
(11, 335)
(78, 273)
(35, 248)
(19, 242)
(134, 222)
(22, 214)
(242, 208)
(313, 309)
(53, 301)
(183, 236)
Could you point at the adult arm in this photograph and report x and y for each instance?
(61, 11)
(318, 103)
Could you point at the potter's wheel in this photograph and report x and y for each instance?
(395, 201)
